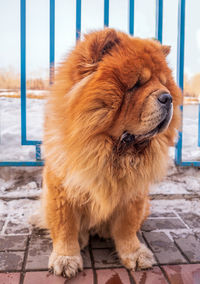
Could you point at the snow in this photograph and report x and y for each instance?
(168, 187)
(18, 213)
(10, 128)
(29, 190)
(178, 181)
(177, 205)
(21, 182)
(191, 151)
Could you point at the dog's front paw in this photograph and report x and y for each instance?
(142, 258)
(65, 265)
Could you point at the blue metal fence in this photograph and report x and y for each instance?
(158, 35)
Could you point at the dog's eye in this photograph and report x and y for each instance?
(137, 84)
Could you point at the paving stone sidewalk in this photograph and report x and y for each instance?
(172, 232)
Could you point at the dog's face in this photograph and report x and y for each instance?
(147, 105)
(127, 90)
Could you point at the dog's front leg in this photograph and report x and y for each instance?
(124, 226)
(63, 222)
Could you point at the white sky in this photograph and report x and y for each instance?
(92, 18)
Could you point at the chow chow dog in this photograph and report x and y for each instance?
(111, 116)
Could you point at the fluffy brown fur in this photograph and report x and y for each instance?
(93, 178)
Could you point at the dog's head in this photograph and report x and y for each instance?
(122, 87)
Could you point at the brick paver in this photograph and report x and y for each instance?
(13, 243)
(16, 228)
(172, 234)
(85, 277)
(105, 261)
(97, 242)
(112, 276)
(183, 274)
(40, 248)
(154, 276)
(191, 219)
(11, 261)
(164, 249)
(9, 278)
(190, 245)
(105, 258)
(167, 223)
(160, 214)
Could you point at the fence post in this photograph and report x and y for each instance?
(159, 19)
(78, 19)
(23, 69)
(131, 17)
(106, 13)
(180, 71)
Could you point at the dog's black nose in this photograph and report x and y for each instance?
(165, 99)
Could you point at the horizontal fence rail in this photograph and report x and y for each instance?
(158, 35)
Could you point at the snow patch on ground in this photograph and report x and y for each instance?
(168, 187)
(29, 190)
(20, 182)
(179, 181)
(18, 213)
(10, 128)
(178, 205)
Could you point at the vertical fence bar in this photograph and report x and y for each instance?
(23, 69)
(106, 13)
(159, 19)
(180, 70)
(52, 41)
(38, 152)
(131, 17)
(78, 19)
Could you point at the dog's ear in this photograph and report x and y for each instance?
(92, 49)
(166, 49)
(101, 43)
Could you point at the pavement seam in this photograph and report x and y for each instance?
(182, 221)
(23, 270)
(12, 250)
(165, 274)
(131, 279)
(183, 254)
(92, 263)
